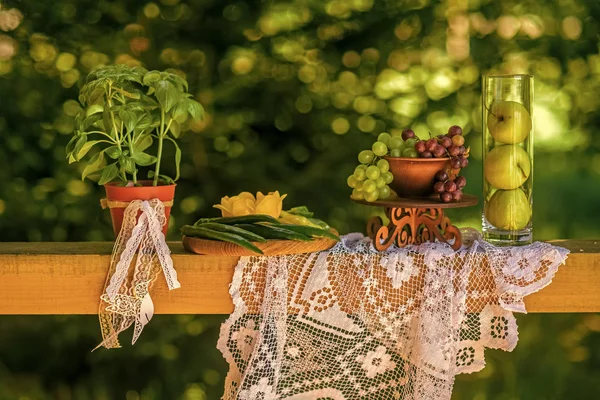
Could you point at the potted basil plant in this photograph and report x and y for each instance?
(129, 114)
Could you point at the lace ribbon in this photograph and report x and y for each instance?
(125, 303)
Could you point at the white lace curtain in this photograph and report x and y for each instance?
(353, 323)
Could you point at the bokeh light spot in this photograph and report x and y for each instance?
(571, 27)
(194, 392)
(211, 377)
(351, 59)
(8, 48)
(508, 26)
(340, 125)
(65, 61)
(151, 10)
(366, 123)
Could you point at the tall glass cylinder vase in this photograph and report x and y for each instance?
(507, 158)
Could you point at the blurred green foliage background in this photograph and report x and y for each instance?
(293, 91)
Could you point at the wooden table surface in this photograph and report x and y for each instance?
(68, 278)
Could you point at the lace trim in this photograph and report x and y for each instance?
(125, 303)
(353, 323)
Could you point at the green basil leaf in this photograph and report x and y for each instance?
(135, 106)
(166, 179)
(96, 97)
(91, 120)
(107, 123)
(143, 159)
(178, 81)
(109, 173)
(195, 109)
(155, 114)
(95, 164)
(144, 122)
(167, 94)
(78, 119)
(151, 78)
(127, 163)
(85, 148)
(93, 109)
(78, 146)
(129, 118)
(71, 144)
(148, 103)
(180, 112)
(143, 143)
(177, 157)
(131, 95)
(175, 128)
(113, 152)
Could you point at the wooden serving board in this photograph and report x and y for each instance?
(269, 248)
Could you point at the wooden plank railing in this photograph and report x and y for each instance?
(68, 278)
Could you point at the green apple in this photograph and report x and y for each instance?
(509, 122)
(508, 210)
(507, 166)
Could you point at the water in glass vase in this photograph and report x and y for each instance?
(507, 158)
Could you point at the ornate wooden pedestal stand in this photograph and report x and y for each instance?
(415, 221)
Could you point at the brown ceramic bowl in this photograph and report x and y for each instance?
(414, 177)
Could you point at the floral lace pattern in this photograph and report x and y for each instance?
(353, 323)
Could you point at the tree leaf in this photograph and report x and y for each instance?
(78, 146)
(195, 109)
(113, 152)
(109, 173)
(175, 128)
(85, 148)
(143, 159)
(95, 164)
(177, 157)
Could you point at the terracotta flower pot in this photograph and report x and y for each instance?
(114, 192)
(414, 177)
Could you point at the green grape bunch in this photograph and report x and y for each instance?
(371, 178)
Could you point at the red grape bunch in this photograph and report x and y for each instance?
(450, 145)
(449, 190)
(448, 184)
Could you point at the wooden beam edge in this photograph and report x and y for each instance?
(35, 282)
